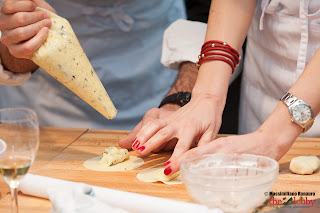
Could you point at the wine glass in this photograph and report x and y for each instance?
(19, 131)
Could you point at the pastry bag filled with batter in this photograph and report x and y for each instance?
(62, 56)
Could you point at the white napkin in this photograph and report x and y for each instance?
(77, 200)
(67, 196)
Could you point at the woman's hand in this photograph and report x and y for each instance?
(273, 139)
(200, 118)
(185, 82)
(259, 143)
(152, 114)
(23, 27)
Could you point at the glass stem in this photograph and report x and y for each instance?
(14, 200)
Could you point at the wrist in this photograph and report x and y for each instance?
(279, 130)
(186, 79)
(215, 50)
(212, 84)
(13, 64)
(188, 66)
(210, 99)
(213, 78)
(179, 98)
(171, 107)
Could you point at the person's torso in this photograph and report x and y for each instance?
(123, 41)
(283, 36)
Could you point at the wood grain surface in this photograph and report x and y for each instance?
(73, 146)
(52, 141)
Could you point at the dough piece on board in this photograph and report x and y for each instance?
(62, 56)
(114, 159)
(304, 165)
(132, 163)
(156, 174)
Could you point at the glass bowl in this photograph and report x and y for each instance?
(231, 182)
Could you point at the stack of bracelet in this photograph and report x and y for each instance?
(218, 50)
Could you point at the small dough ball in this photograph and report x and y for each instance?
(304, 165)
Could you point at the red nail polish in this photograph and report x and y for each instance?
(137, 144)
(134, 143)
(141, 148)
(167, 171)
(167, 163)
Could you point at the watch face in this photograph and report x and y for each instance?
(301, 113)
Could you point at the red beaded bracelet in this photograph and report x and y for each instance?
(218, 50)
(226, 56)
(222, 48)
(215, 58)
(215, 49)
(212, 43)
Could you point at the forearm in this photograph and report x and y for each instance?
(229, 22)
(307, 87)
(279, 131)
(14, 64)
(184, 83)
(186, 78)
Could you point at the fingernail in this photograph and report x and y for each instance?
(133, 144)
(47, 22)
(167, 171)
(46, 15)
(34, 6)
(167, 163)
(141, 148)
(46, 29)
(137, 144)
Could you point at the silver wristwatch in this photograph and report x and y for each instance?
(300, 112)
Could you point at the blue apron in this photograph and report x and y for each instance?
(123, 41)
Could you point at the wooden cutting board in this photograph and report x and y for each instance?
(68, 165)
(289, 182)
